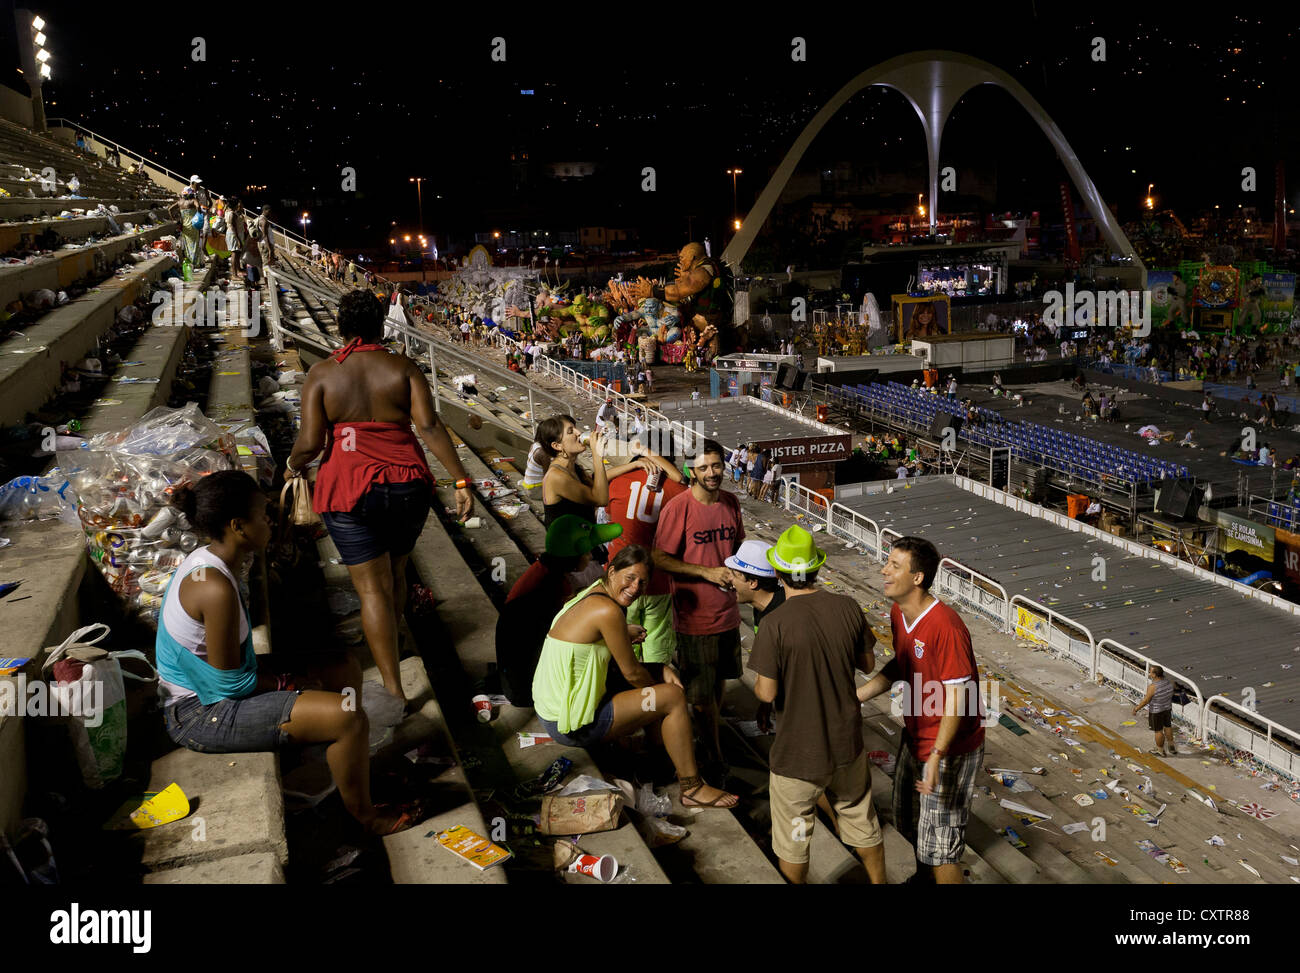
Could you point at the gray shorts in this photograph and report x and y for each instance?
(248, 725)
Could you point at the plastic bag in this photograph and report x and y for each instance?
(123, 483)
(165, 432)
(94, 703)
(49, 497)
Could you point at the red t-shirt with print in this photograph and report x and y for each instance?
(708, 534)
(935, 652)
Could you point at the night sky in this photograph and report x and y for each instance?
(288, 99)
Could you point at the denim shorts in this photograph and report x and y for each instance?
(387, 520)
(584, 736)
(248, 725)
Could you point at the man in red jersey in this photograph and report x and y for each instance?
(635, 507)
(943, 736)
(697, 531)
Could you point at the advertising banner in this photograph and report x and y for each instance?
(1278, 303)
(1247, 536)
(1159, 283)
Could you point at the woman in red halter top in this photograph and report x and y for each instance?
(374, 489)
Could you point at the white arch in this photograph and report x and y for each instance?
(932, 82)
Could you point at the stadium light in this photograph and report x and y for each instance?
(35, 57)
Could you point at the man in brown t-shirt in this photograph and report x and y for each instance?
(805, 656)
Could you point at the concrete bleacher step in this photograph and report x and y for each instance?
(256, 868)
(67, 333)
(62, 267)
(67, 230)
(19, 208)
(237, 806)
(414, 857)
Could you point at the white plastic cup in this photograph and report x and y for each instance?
(482, 708)
(602, 868)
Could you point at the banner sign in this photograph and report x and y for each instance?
(811, 449)
(1278, 303)
(1246, 535)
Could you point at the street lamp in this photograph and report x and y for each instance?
(419, 195)
(304, 220)
(733, 173)
(35, 60)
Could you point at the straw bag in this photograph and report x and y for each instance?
(295, 503)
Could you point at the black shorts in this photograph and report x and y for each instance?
(386, 520)
(706, 662)
(1162, 720)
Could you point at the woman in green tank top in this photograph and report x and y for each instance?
(569, 686)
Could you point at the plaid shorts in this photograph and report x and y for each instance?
(706, 662)
(935, 823)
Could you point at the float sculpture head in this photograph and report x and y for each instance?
(691, 256)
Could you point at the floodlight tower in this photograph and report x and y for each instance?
(34, 51)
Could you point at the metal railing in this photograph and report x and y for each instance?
(1056, 622)
(1130, 676)
(810, 503)
(1285, 759)
(976, 591)
(856, 528)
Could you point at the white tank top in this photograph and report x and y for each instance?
(182, 627)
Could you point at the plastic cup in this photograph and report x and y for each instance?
(482, 708)
(602, 868)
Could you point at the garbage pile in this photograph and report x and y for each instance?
(123, 482)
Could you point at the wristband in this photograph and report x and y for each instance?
(462, 484)
(936, 752)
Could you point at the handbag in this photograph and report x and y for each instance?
(298, 510)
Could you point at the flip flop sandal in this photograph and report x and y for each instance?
(1158, 753)
(409, 815)
(693, 785)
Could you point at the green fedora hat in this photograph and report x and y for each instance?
(795, 550)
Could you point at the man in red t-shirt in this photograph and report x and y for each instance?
(943, 715)
(637, 510)
(697, 531)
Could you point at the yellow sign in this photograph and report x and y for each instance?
(1030, 626)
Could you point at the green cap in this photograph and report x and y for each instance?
(571, 536)
(795, 550)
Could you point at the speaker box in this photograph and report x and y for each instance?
(1179, 500)
(942, 420)
(790, 378)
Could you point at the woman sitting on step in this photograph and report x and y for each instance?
(218, 696)
(581, 703)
